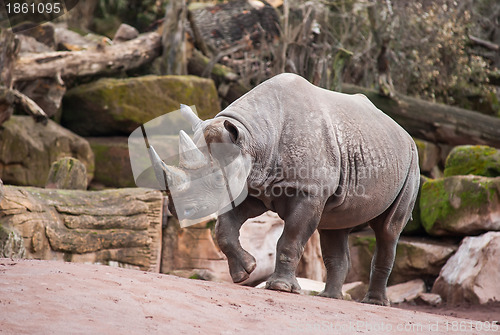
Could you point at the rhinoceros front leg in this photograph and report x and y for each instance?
(302, 217)
(227, 232)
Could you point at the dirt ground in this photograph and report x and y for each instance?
(46, 297)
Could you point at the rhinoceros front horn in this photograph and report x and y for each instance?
(174, 176)
(190, 156)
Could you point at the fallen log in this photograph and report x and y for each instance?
(121, 226)
(102, 60)
(435, 122)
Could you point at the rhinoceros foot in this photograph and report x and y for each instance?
(241, 267)
(375, 301)
(283, 284)
(326, 294)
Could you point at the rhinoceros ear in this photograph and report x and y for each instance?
(234, 132)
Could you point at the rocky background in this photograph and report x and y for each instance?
(88, 79)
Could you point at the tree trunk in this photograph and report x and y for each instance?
(103, 60)
(113, 226)
(435, 122)
(174, 38)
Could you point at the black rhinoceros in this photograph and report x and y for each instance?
(321, 160)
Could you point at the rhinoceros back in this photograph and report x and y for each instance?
(338, 145)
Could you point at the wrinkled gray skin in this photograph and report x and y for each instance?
(352, 163)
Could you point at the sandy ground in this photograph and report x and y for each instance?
(44, 297)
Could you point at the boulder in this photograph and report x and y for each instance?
(109, 107)
(11, 243)
(460, 205)
(28, 149)
(405, 292)
(259, 237)
(112, 158)
(124, 33)
(189, 250)
(472, 274)
(428, 155)
(479, 160)
(311, 264)
(416, 257)
(115, 227)
(112, 161)
(431, 299)
(67, 173)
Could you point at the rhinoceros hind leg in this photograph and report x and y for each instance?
(335, 251)
(387, 228)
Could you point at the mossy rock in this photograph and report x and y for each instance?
(416, 257)
(460, 205)
(111, 107)
(428, 155)
(479, 160)
(28, 148)
(67, 173)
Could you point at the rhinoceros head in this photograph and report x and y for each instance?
(208, 178)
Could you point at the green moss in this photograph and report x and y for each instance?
(434, 203)
(445, 201)
(118, 106)
(478, 160)
(368, 241)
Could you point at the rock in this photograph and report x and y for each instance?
(125, 33)
(307, 286)
(405, 291)
(46, 92)
(259, 237)
(194, 247)
(479, 160)
(118, 106)
(44, 33)
(311, 264)
(11, 244)
(431, 299)
(1, 190)
(428, 155)
(355, 290)
(30, 44)
(28, 149)
(460, 205)
(67, 173)
(68, 40)
(472, 274)
(416, 257)
(112, 160)
(120, 227)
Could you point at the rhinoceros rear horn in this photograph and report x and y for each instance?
(190, 156)
(188, 113)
